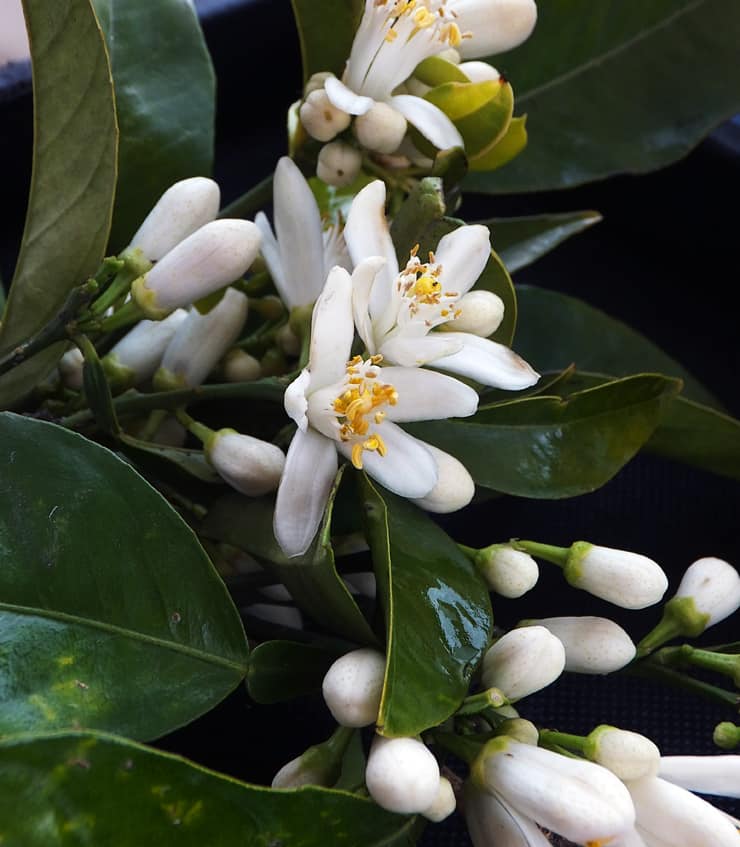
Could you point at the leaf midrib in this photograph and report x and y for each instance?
(113, 629)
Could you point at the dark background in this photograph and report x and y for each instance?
(664, 260)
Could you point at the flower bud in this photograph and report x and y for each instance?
(726, 735)
(480, 72)
(454, 489)
(496, 26)
(627, 754)
(381, 129)
(316, 82)
(493, 823)
(523, 661)
(480, 312)
(718, 775)
(353, 686)
(212, 257)
(592, 645)
(508, 572)
(180, 211)
(239, 366)
(520, 729)
(714, 587)
(136, 357)
(444, 804)
(298, 772)
(248, 464)
(200, 341)
(320, 117)
(626, 579)
(338, 164)
(402, 775)
(288, 341)
(71, 367)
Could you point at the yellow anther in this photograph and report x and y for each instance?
(391, 36)
(357, 456)
(451, 34)
(423, 18)
(379, 417)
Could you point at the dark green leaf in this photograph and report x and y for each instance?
(73, 182)
(547, 447)
(282, 670)
(192, 462)
(95, 789)
(521, 241)
(614, 87)
(112, 616)
(165, 100)
(326, 29)
(437, 610)
(556, 330)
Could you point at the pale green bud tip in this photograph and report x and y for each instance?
(478, 312)
(508, 572)
(381, 129)
(627, 754)
(248, 464)
(165, 380)
(444, 804)
(523, 661)
(726, 735)
(353, 686)
(338, 164)
(402, 775)
(320, 117)
(520, 729)
(239, 366)
(119, 376)
(714, 585)
(298, 772)
(454, 489)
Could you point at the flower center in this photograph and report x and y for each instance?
(360, 406)
(418, 13)
(420, 285)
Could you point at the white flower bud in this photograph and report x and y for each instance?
(381, 129)
(71, 366)
(402, 775)
(444, 804)
(338, 164)
(480, 72)
(714, 586)
(239, 366)
(523, 661)
(480, 312)
(508, 572)
(592, 645)
(138, 354)
(320, 117)
(493, 823)
(286, 616)
(288, 341)
(212, 257)
(180, 211)
(627, 754)
(248, 464)
(626, 579)
(296, 773)
(718, 775)
(200, 341)
(353, 686)
(454, 489)
(520, 729)
(496, 26)
(316, 82)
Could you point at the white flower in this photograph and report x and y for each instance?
(718, 775)
(395, 312)
(402, 775)
(354, 407)
(592, 645)
(714, 587)
(627, 754)
(493, 823)
(248, 464)
(578, 800)
(353, 685)
(523, 661)
(299, 253)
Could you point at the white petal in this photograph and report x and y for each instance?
(332, 330)
(271, 254)
(310, 468)
(428, 396)
(363, 278)
(299, 234)
(408, 468)
(411, 352)
(491, 821)
(431, 121)
(704, 774)
(346, 99)
(496, 25)
(479, 71)
(454, 489)
(463, 254)
(295, 401)
(487, 362)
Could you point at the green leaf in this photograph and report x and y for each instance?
(507, 147)
(436, 71)
(283, 670)
(547, 447)
(312, 579)
(165, 98)
(614, 87)
(326, 29)
(521, 241)
(437, 610)
(73, 181)
(556, 330)
(89, 788)
(112, 615)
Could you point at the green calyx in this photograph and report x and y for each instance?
(726, 735)
(680, 618)
(573, 568)
(494, 747)
(166, 380)
(146, 300)
(119, 376)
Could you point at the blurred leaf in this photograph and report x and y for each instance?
(547, 447)
(334, 203)
(521, 241)
(165, 100)
(614, 87)
(89, 788)
(73, 179)
(283, 670)
(556, 330)
(326, 29)
(112, 616)
(192, 462)
(437, 610)
(424, 207)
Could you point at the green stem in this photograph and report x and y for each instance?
(200, 431)
(650, 669)
(155, 420)
(492, 698)
(464, 748)
(113, 292)
(551, 738)
(665, 630)
(556, 555)
(726, 664)
(257, 197)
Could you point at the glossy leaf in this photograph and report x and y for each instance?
(607, 90)
(73, 181)
(165, 100)
(282, 670)
(557, 330)
(312, 579)
(437, 612)
(85, 788)
(326, 29)
(521, 241)
(112, 616)
(507, 147)
(547, 447)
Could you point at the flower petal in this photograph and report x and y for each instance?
(345, 99)
(363, 277)
(410, 350)
(454, 489)
(463, 254)
(271, 254)
(428, 396)
(487, 362)
(295, 401)
(431, 121)
(495, 25)
(492, 821)
(310, 468)
(332, 330)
